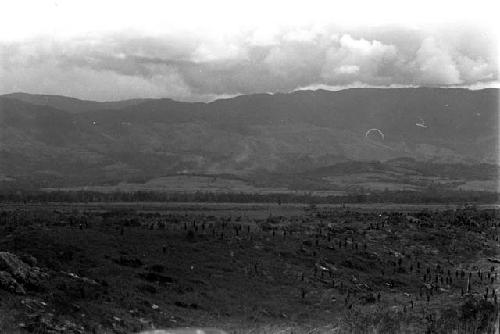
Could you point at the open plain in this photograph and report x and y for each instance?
(248, 268)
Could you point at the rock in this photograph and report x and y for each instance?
(9, 283)
(13, 265)
(29, 259)
(82, 279)
(20, 271)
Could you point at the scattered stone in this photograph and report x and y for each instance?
(51, 325)
(79, 278)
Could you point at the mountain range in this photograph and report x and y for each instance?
(55, 140)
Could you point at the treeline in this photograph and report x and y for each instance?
(441, 197)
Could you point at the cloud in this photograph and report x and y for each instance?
(348, 69)
(357, 60)
(196, 66)
(474, 70)
(88, 76)
(99, 85)
(435, 65)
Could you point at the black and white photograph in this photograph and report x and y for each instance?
(249, 167)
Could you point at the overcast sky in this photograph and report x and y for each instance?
(201, 50)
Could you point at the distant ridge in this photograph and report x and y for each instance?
(70, 104)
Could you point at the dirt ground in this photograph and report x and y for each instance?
(252, 268)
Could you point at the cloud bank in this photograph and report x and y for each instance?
(195, 67)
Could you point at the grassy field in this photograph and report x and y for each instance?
(315, 185)
(252, 268)
(202, 183)
(180, 183)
